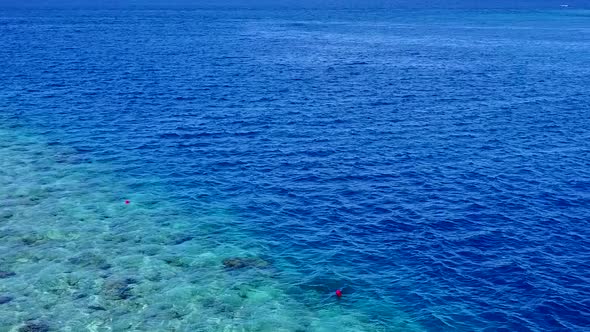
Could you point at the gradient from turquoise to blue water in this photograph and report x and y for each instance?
(435, 165)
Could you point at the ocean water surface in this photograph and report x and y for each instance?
(434, 165)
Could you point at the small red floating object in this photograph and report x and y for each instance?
(338, 293)
(127, 202)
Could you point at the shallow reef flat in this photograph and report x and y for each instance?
(75, 257)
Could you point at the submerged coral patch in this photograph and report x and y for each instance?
(244, 262)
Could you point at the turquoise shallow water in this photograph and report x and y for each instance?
(75, 257)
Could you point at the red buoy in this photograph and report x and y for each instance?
(338, 293)
(127, 202)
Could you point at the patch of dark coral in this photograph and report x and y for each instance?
(5, 215)
(177, 261)
(97, 308)
(33, 239)
(181, 238)
(90, 260)
(244, 262)
(34, 326)
(5, 299)
(119, 289)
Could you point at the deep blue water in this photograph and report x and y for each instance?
(436, 162)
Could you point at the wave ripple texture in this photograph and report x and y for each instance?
(434, 165)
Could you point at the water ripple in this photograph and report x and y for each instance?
(432, 165)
